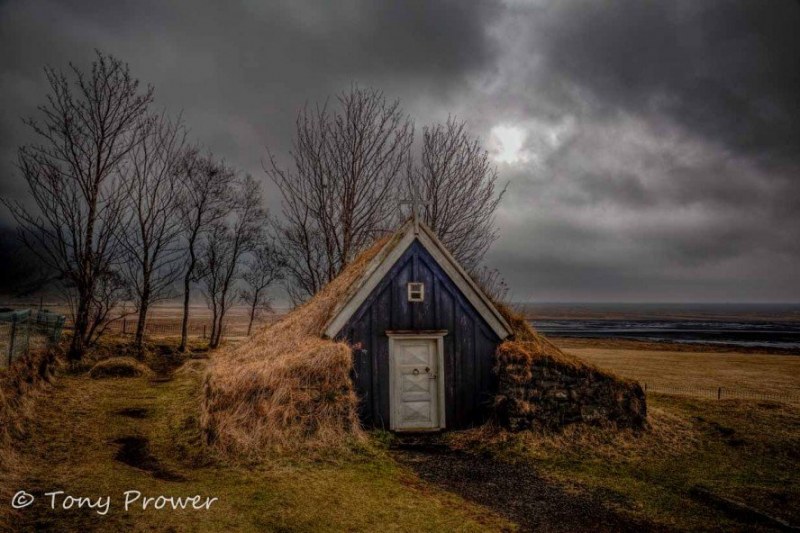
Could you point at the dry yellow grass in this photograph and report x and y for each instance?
(528, 344)
(287, 388)
(759, 374)
(5, 410)
(7, 456)
(71, 446)
(667, 434)
(19, 386)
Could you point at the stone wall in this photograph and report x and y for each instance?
(540, 389)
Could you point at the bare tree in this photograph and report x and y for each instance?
(459, 184)
(111, 290)
(227, 243)
(264, 267)
(88, 127)
(149, 235)
(341, 193)
(204, 202)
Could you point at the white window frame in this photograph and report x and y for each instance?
(413, 288)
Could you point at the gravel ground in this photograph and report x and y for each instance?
(517, 492)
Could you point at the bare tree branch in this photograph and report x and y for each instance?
(204, 202)
(456, 178)
(149, 235)
(341, 193)
(264, 267)
(87, 128)
(228, 241)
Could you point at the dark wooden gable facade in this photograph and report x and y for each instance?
(469, 343)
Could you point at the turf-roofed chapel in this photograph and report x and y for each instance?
(402, 340)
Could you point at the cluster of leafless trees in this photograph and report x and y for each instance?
(124, 208)
(353, 168)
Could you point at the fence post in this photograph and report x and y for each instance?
(124, 324)
(719, 393)
(204, 331)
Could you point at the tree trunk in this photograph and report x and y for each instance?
(252, 313)
(218, 328)
(78, 345)
(138, 340)
(187, 286)
(213, 334)
(187, 281)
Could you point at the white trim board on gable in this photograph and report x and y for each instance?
(384, 261)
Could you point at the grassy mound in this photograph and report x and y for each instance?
(18, 386)
(119, 367)
(5, 412)
(539, 385)
(26, 375)
(287, 387)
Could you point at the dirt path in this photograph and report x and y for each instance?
(517, 492)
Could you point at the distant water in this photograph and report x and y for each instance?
(751, 325)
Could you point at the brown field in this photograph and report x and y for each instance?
(164, 318)
(162, 311)
(673, 366)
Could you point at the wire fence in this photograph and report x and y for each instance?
(127, 326)
(24, 331)
(721, 393)
(196, 328)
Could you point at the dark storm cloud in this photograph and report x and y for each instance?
(728, 71)
(241, 71)
(676, 158)
(659, 142)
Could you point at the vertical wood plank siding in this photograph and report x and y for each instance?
(468, 347)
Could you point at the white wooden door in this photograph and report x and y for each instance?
(415, 390)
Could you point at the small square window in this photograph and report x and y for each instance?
(416, 292)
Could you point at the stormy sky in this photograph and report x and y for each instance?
(652, 149)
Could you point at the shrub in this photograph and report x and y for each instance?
(119, 367)
(287, 388)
